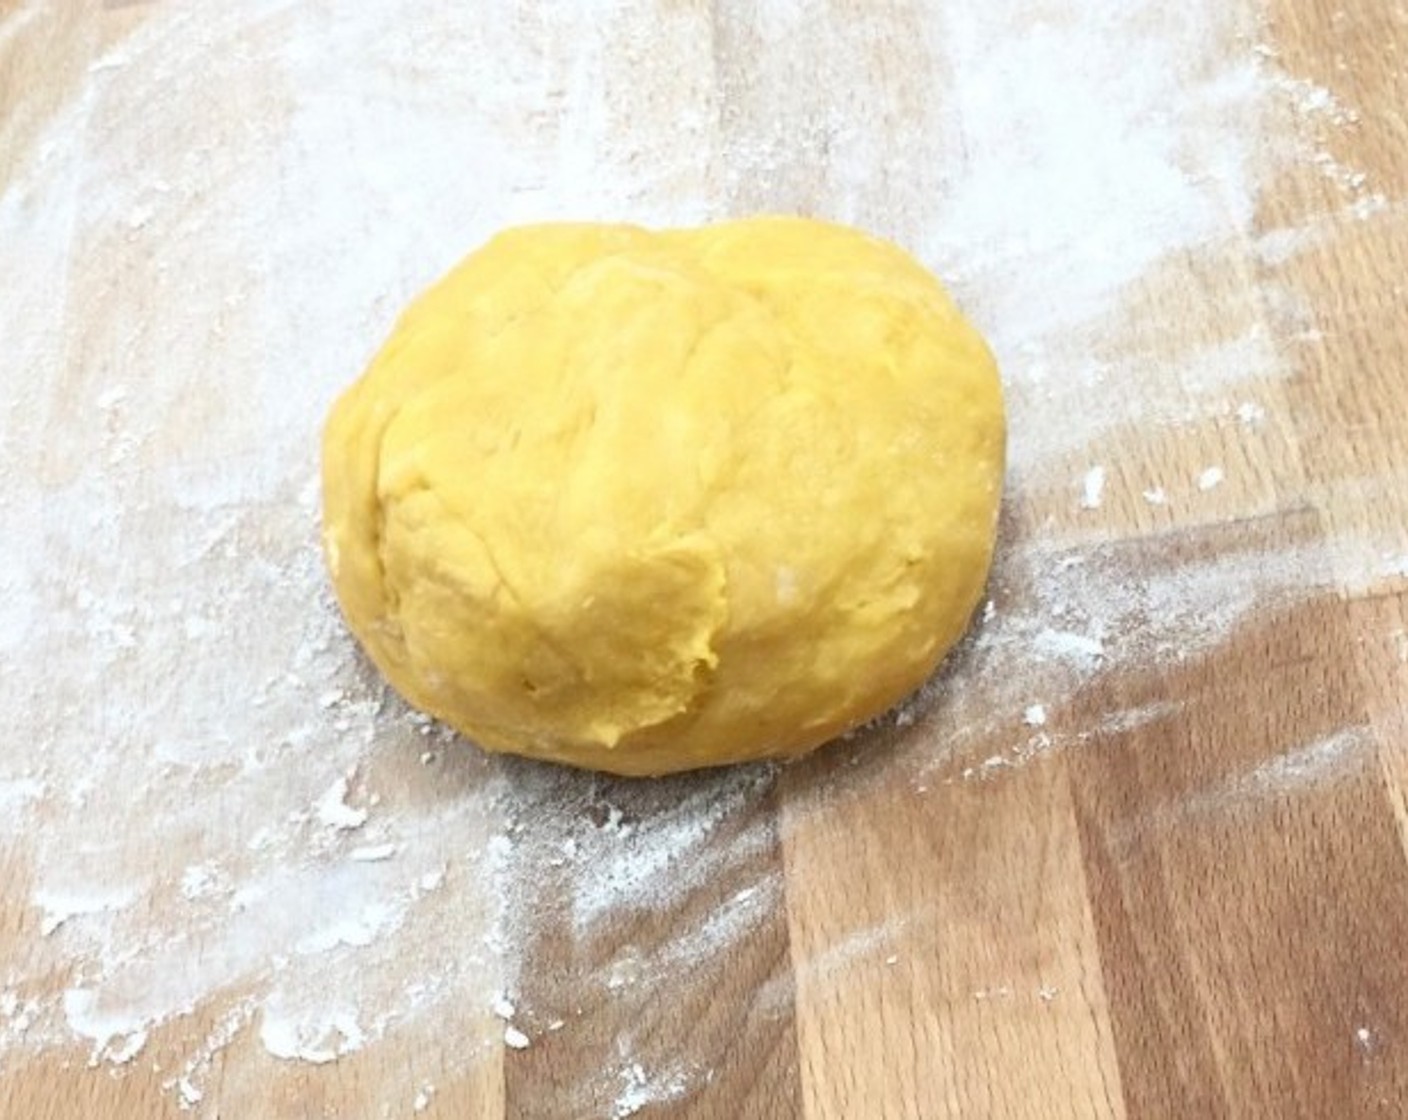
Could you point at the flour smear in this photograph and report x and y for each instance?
(225, 825)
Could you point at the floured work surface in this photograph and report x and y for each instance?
(1138, 850)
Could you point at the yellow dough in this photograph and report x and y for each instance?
(648, 501)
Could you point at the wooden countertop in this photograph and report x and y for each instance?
(1139, 851)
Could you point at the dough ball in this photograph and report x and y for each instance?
(648, 501)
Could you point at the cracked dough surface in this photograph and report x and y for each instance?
(646, 501)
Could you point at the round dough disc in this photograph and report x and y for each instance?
(646, 501)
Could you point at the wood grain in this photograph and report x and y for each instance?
(1183, 891)
(608, 969)
(989, 960)
(1247, 893)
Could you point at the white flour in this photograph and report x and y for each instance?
(1335, 757)
(213, 805)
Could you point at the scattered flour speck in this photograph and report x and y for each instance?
(1211, 479)
(1093, 488)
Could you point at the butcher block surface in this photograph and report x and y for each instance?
(1138, 850)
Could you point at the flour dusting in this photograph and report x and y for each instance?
(221, 816)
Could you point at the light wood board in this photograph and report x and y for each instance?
(1178, 890)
